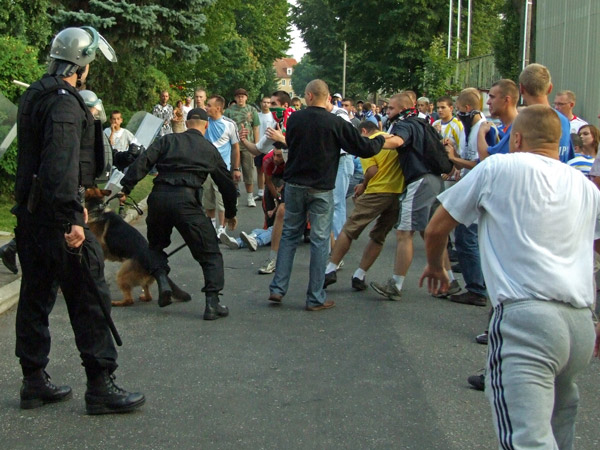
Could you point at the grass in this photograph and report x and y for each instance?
(8, 221)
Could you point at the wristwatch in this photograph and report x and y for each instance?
(237, 169)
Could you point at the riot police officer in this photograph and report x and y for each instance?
(183, 161)
(56, 160)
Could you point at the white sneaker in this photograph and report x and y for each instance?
(268, 266)
(250, 241)
(220, 230)
(251, 202)
(228, 241)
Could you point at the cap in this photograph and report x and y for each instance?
(240, 91)
(198, 114)
(337, 95)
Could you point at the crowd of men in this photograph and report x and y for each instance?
(501, 187)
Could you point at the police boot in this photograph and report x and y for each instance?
(103, 396)
(178, 293)
(164, 289)
(37, 390)
(9, 255)
(214, 309)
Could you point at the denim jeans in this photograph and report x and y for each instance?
(318, 204)
(467, 249)
(342, 180)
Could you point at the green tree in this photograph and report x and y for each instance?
(26, 20)
(506, 47)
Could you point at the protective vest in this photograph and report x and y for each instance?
(29, 134)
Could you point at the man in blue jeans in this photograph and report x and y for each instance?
(310, 174)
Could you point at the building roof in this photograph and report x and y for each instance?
(281, 65)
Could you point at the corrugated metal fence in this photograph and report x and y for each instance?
(568, 43)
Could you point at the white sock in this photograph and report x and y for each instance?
(273, 254)
(451, 276)
(399, 279)
(360, 274)
(331, 267)
(261, 192)
(251, 195)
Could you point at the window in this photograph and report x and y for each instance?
(289, 70)
(283, 82)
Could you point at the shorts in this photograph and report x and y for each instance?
(418, 203)
(211, 197)
(258, 160)
(247, 161)
(368, 207)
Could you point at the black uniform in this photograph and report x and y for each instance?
(56, 144)
(183, 161)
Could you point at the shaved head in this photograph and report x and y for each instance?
(539, 126)
(318, 88)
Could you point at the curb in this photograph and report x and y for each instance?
(9, 293)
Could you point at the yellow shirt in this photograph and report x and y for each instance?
(389, 178)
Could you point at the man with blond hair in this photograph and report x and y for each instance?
(541, 331)
(535, 84)
(564, 101)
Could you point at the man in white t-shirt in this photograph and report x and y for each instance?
(539, 278)
(120, 138)
(222, 133)
(266, 121)
(564, 102)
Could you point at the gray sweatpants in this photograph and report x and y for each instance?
(536, 348)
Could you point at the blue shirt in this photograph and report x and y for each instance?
(502, 145)
(565, 146)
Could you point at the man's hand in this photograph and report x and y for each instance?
(485, 127)
(244, 133)
(237, 176)
(85, 215)
(76, 237)
(275, 134)
(437, 280)
(231, 223)
(359, 189)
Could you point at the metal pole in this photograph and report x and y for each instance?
(526, 33)
(469, 31)
(344, 73)
(449, 29)
(458, 31)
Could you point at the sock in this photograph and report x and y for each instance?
(360, 274)
(261, 192)
(273, 254)
(331, 267)
(451, 276)
(399, 280)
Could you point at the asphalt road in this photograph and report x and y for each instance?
(367, 374)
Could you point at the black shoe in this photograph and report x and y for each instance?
(482, 338)
(330, 278)
(164, 289)
(103, 396)
(456, 268)
(214, 309)
(178, 293)
(469, 298)
(8, 253)
(477, 382)
(37, 390)
(358, 284)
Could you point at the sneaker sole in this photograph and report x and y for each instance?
(381, 292)
(251, 246)
(224, 240)
(94, 410)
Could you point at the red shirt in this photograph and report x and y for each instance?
(270, 168)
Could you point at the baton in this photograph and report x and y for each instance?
(89, 279)
(172, 252)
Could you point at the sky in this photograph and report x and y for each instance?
(297, 46)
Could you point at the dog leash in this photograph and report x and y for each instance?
(134, 204)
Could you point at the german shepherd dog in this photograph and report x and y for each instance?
(122, 242)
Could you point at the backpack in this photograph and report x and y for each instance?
(435, 157)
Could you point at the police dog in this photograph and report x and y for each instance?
(121, 242)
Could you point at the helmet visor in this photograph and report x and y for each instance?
(106, 49)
